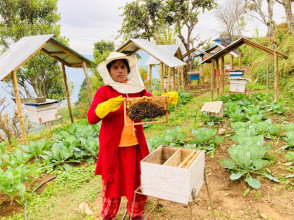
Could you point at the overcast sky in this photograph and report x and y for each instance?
(85, 22)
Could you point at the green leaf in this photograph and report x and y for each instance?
(235, 176)
(270, 177)
(228, 163)
(253, 182)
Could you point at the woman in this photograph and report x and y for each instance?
(121, 148)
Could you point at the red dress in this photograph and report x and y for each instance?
(109, 163)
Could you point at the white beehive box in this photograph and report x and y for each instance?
(173, 173)
(43, 112)
(238, 84)
(214, 108)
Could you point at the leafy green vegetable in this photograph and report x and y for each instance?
(35, 149)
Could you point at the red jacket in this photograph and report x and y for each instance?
(110, 132)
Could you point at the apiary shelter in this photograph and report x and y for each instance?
(21, 51)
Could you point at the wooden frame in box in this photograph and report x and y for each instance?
(147, 122)
(173, 173)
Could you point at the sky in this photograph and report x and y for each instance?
(85, 22)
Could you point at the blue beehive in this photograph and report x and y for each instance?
(194, 75)
(234, 73)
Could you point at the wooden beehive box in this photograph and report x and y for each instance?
(238, 84)
(146, 107)
(214, 108)
(236, 73)
(43, 112)
(173, 173)
(194, 75)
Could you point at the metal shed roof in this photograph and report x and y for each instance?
(237, 44)
(171, 49)
(133, 45)
(26, 47)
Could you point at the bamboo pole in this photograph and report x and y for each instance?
(223, 75)
(67, 93)
(19, 108)
(168, 75)
(150, 78)
(88, 81)
(161, 77)
(276, 85)
(232, 62)
(211, 79)
(174, 78)
(182, 78)
(240, 60)
(217, 77)
(267, 72)
(179, 80)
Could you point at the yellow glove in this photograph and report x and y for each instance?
(110, 105)
(173, 97)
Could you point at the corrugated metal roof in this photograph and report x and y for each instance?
(26, 47)
(133, 45)
(171, 49)
(237, 44)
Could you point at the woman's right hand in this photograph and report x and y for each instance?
(110, 105)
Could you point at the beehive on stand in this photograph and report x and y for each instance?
(214, 108)
(173, 173)
(238, 84)
(42, 112)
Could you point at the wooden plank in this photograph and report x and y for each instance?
(168, 75)
(174, 78)
(232, 61)
(175, 159)
(67, 93)
(192, 159)
(223, 74)
(154, 157)
(182, 79)
(88, 81)
(56, 58)
(217, 77)
(19, 108)
(240, 60)
(161, 77)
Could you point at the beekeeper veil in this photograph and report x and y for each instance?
(133, 85)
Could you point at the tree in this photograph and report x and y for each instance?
(148, 19)
(230, 16)
(287, 4)
(266, 17)
(41, 75)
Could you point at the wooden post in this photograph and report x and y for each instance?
(240, 60)
(174, 77)
(179, 78)
(222, 66)
(267, 72)
(217, 77)
(232, 62)
(198, 64)
(88, 81)
(19, 108)
(168, 75)
(150, 78)
(67, 93)
(183, 79)
(211, 79)
(161, 77)
(276, 96)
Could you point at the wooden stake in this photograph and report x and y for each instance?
(232, 62)
(267, 72)
(240, 60)
(179, 78)
(168, 78)
(276, 85)
(88, 81)
(161, 77)
(217, 77)
(182, 78)
(174, 78)
(67, 93)
(211, 79)
(19, 108)
(150, 78)
(222, 75)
